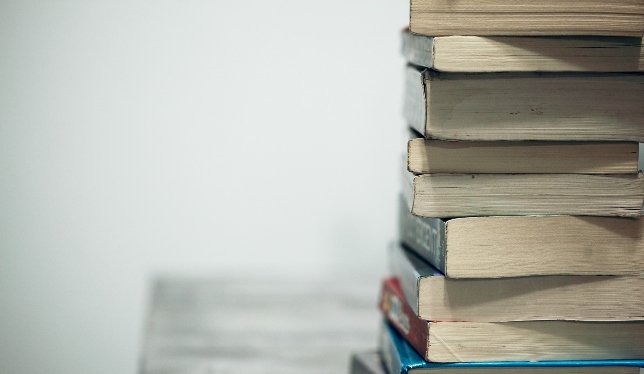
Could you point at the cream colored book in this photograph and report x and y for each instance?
(525, 106)
(536, 340)
(534, 157)
(435, 297)
(469, 195)
(527, 17)
(399, 357)
(519, 246)
(478, 54)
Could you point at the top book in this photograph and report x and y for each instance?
(527, 17)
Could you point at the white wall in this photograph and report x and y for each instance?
(212, 137)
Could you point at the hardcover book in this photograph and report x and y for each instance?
(525, 106)
(400, 357)
(447, 341)
(503, 246)
(525, 17)
(479, 54)
(432, 296)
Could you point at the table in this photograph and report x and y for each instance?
(260, 326)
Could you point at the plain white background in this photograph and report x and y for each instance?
(241, 138)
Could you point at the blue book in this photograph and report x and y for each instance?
(399, 357)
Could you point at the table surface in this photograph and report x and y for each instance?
(258, 326)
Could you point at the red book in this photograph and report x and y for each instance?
(401, 317)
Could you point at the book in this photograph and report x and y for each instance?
(366, 363)
(533, 157)
(478, 54)
(525, 17)
(432, 296)
(448, 341)
(516, 246)
(468, 195)
(525, 105)
(399, 357)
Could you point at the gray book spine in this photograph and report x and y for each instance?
(418, 49)
(414, 105)
(425, 236)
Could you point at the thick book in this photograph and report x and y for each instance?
(527, 17)
(433, 296)
(426, 156)
(467, 195)
(502, 246)
(400, 358)
(479, 54)
(447, 341)
(525, 105)
(366, 363)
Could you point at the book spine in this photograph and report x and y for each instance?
(397, 355)
(389, 351)
(425, 236)
(408, 276)
(407, 193)
(417, 49)
(414, 330)
(415, 106)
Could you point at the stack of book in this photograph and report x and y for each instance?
(521, 249)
